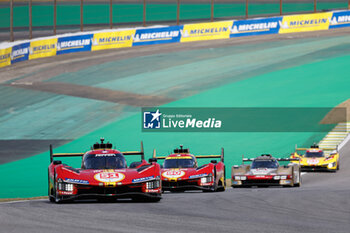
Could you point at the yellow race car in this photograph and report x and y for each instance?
(317, 159)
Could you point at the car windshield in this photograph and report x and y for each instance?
(179, 163)
(104, 161)
(318, 154)
(264, 164)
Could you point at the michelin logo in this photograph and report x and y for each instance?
(151, 120)
(156, 35)
(19, 53)
(72, 44)
(254, 27)
(339, 20)
(42, 48)
(203, 32)
(111, 40)
(303, 23)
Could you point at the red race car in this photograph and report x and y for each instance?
(180, 172)
(104, 174)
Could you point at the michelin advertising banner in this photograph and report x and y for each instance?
(253, 27)
(161, 35)
(73, 44)
(173, 34)
(20, 52)
(340, 19)
(305, 23)
(42, 48)
(206, 31)
(110, 40)
(5, 57)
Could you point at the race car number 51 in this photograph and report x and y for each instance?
(173, 174)
(109, 176)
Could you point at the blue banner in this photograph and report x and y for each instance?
(73, 44)
(157, 35)
(340, 19)
(252, 27)
(20, 52)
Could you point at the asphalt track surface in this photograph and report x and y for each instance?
(321, 204)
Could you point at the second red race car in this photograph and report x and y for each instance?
(104, 174)
(180, 172)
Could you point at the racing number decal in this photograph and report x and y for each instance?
(109, 176)
(312, 161)
(173, 174)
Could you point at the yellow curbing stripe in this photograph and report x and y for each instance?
(334, 137)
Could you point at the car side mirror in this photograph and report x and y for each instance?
(214, 161)
(152, 160)
(56, 162)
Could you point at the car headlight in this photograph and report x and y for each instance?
(206, 179)
(330, 165)
(153, 184)
(276, 177)
(243, 177)
(65, 187)
(237, 178)
(283, 177)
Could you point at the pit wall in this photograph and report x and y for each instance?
(11, 53)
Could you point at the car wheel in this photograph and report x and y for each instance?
(50, 190)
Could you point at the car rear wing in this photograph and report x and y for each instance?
(141, 152)
(221, 156)
(278, 159)
(321, 148)
(54, 155)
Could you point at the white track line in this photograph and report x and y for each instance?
(19, 201)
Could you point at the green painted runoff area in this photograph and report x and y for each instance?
(133, 13)
(322, 84)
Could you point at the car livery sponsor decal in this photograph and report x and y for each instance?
(109, 176)
(105, 155)
(340, 19)
(173, 174)
(198, 176)
(142, 179)
(161, 35)
(180, 157)
(20, 52)
(76, 181)
(72, 44)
